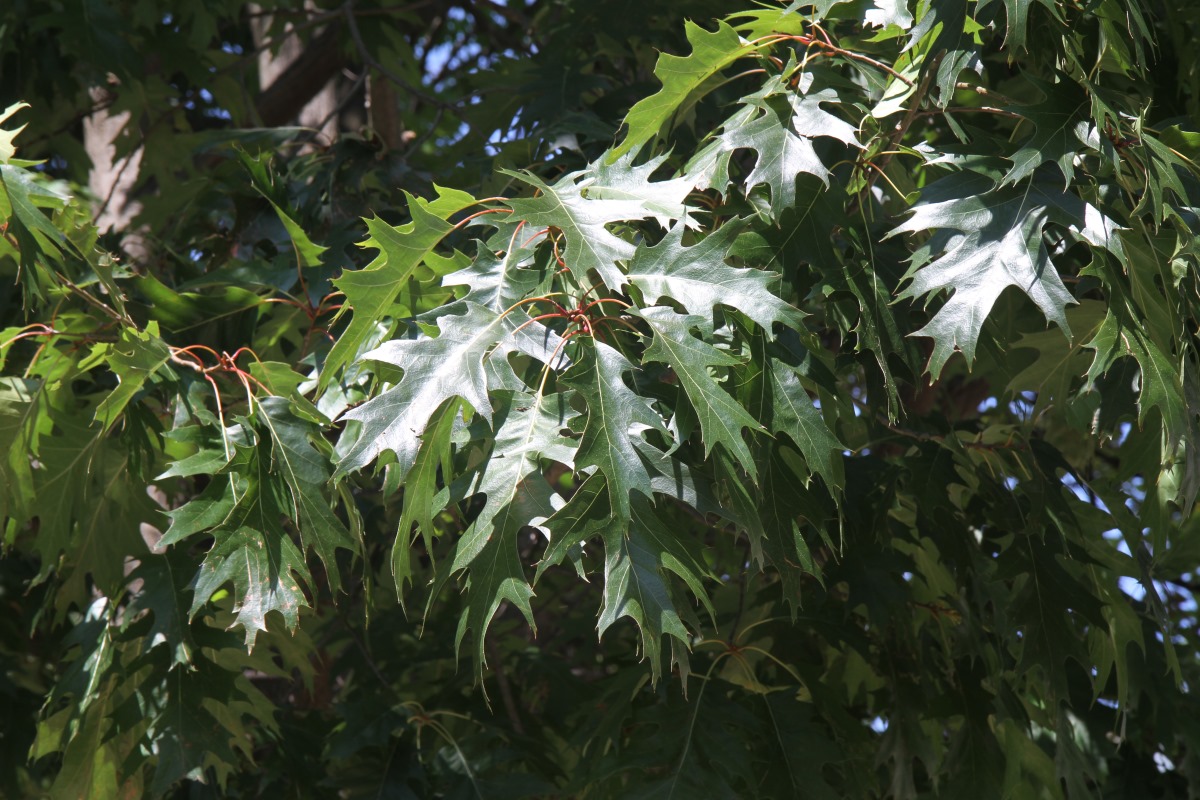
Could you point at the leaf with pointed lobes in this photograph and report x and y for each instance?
(468, 357)
(88, 505)
(276, 473)
(1163, 388)
(266, 570)
(722, 418)
(639, 552)
(421, 501)
(133, 358)
(202, 720)
(268, 184)
(164, 579)
(529, 431)
(780, 124)
(588, 513)
(18, 499)
(888, 12)
(372, 290)
(791, 412)
(305, 472)
(683, 81)
(7, 148)
(988, 239)
(638, 560)
(698, 278)
(1061, 123)
(251, 549)
(623, 181)
(1058, 364)
(582, 203)
(504, 270)
(943, 25)
(672, 478)
(616, 417)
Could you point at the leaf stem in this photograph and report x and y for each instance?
(983, 92)
(538, 318)
(828, 46)
(538, 299)
(478, 214)
(872, 165)
(971, 109)
(909, 117)
(600, 300)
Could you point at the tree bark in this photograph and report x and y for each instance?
(298, 81)
(112, 179)
(383, 113)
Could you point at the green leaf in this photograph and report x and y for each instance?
(201, 723)
(587, 514)
(722, 419)
(372, 290)
(791, 412)
(779, 124)
(1058, 363)
(616, 417)
(671, 477)
(278, 378)
(582, 203)
(178, 310)
(639, 554)
(1172, 155)
(305, 472)
(90, 763)
(164, 579)
(943, 31)
(90, 507)
(698, 278)
(205, 510)
(1061, 128)
(622, 181)
(878, 328)
(528, 430)
(988, 240)
(17, 426)
(638, 557)
(39, 243)
(264, 566)
(782, 507)
(133, 358)
(1161, 387)
(275, 474)
(503, 270)
(308, 253)
(885, 13)
(455, 363)
(1160, 383)
(683, 78)
(421, 489)
(7, 149)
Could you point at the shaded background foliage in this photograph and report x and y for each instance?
(968, 566)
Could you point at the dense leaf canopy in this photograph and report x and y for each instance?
(610, 399)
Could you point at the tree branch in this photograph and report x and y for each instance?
(371, 62)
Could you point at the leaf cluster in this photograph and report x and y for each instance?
(829, 426)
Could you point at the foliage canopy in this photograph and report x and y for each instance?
(810, 409)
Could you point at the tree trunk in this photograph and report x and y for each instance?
(287, 73)
(112, 179)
